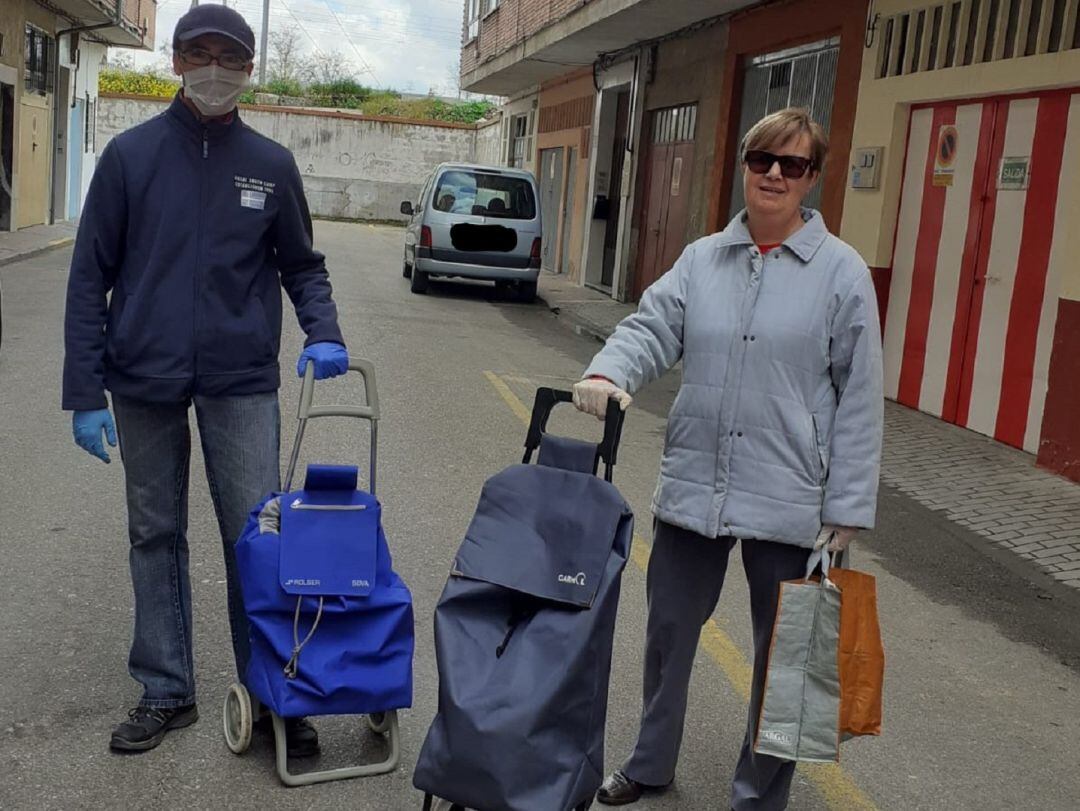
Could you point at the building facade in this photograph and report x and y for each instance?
(971, 111)
(50, 56)
(675, 84)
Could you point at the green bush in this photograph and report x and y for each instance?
(283, 87)
(343, 94)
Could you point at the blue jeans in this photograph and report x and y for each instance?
(240, 441)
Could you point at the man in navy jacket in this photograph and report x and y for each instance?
(192, 225)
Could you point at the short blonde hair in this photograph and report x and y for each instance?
(783, 125)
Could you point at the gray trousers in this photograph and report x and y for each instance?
(686, 574)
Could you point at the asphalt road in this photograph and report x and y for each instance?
(983, 682)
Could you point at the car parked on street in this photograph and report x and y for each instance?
(475, 222)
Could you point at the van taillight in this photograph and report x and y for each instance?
(534, 257)
(425, 237)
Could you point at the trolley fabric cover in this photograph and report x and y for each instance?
(324, 543)
(523, 637)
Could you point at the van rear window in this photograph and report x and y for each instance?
(470, 192)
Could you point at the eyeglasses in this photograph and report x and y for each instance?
(200, 57)
(792, 167)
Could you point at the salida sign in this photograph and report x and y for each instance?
(1013, 174)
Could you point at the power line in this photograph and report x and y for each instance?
(348, 39)
(314, 44)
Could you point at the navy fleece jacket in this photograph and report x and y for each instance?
(188, 233)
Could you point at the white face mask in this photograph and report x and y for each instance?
(213, 89)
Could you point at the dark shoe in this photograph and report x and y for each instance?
(146, 726)
(301, 738)
(619, 789)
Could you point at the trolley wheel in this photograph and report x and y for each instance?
(237, 719)
(379, 722)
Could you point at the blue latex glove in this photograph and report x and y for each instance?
(330, 359)
(87, 427)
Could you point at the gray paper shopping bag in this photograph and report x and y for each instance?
(800, 712)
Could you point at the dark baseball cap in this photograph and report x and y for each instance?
(214, 19)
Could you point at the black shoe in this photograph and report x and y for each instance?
(301, 738)
(146, 726)
(619, 789)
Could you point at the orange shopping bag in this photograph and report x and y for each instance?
(861, 654)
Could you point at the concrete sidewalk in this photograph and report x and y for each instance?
(27, 242)
(989, 488)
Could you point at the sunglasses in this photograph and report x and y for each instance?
(792, 167)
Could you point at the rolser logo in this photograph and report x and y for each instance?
(296, 582)
(776, 737)
(573, 579)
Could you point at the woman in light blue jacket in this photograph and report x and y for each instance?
(774, 438)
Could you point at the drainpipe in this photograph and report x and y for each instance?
(116, 21)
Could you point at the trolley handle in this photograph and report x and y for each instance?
(366, 369)
(307, 411)
(608, 449)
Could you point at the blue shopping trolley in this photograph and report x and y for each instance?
(330, 622)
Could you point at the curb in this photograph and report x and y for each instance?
(19, 257)
(577, 323)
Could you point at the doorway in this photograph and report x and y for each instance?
(667, 188)
(64, 147)
(613, 209)
(565, 249)
(795, 77)
(7, 149)
(978, 262)
(551, 187)
(76, 147)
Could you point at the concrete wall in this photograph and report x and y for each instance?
(354, 167)
(489, 142)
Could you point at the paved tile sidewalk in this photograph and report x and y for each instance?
(991, 489)
(16, 245)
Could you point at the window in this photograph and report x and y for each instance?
(472, 19)
(675, 124)
(39, 61)
(463, 191)
(520, 141)
(490, 6)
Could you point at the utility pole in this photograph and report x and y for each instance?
(262, 46)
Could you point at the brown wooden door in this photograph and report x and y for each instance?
(666, 197)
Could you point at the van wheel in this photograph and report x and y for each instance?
(406, 269)
(419, 281)
(527, 292)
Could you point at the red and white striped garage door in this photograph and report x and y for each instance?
(976, 269)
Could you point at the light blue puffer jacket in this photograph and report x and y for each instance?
(777, 426)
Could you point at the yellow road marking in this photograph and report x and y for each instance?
(509, 397)
(834, 784)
